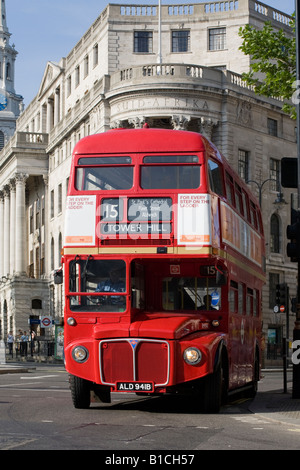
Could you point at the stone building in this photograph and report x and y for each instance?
(183, 72)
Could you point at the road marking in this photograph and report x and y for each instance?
(250, 420)
(39, 377)
(16, 385)
(19, 444)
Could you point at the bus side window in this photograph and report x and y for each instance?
(253, 215)
(215, 177)
(239, 199)
(233, 297)
(241, 299)
(230, 189)
(255, 303)
(249, 302)
(246, 205)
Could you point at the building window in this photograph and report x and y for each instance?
(52, 204)
(272, 127)
(37, 214)
(59, 208)
(43, 211)
(77, 75)
(274, 174)
(143, 41)
(52, 254)
(275, 234)
(95, 55)
(243, 164)
(180, 41)
(69, 85)
(217, 39)
(86, 66)
(30, 219)
(2, 140)
(8, 71)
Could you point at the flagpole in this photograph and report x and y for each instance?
(159, 57)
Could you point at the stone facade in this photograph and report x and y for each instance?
(117, 75)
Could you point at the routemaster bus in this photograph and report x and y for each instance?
(163, 264)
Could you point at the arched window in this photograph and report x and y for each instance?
(275, 234)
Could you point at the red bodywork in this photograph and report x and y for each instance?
(147, 344)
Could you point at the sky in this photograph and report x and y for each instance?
(47, 30)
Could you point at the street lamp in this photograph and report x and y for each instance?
(278, 200)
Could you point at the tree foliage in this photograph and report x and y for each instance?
(273, 62)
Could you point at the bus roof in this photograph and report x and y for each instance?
(141, 140)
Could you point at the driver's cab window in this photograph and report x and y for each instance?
(103, 280)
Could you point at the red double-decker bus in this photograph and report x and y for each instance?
(163, 266)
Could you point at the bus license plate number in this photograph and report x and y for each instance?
(146, 387)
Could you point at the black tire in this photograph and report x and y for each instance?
(80, 391)
(214, 391)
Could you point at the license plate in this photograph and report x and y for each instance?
(146, 387)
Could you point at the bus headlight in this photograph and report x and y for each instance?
(192, 356)
(80, 354)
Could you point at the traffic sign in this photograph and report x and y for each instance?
(279, 309)
(46, 321)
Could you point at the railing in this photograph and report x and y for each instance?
(37, 349)
(274, 351)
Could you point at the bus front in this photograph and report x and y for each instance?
(143, 288)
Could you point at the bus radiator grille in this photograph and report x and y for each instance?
(134, 359)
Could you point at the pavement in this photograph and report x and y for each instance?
(273, 405)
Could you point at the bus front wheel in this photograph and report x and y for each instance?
(80, 391)
(214, 390)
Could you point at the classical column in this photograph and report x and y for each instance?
(12, 246)
(20, 223)
(1, 232)
(50, 114)
(6, 230)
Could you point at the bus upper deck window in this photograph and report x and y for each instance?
(104, 173)
(215, 177)
(170, 172)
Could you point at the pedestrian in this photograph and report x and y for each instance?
(24, 341)
(32, 341)
(10, 343)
